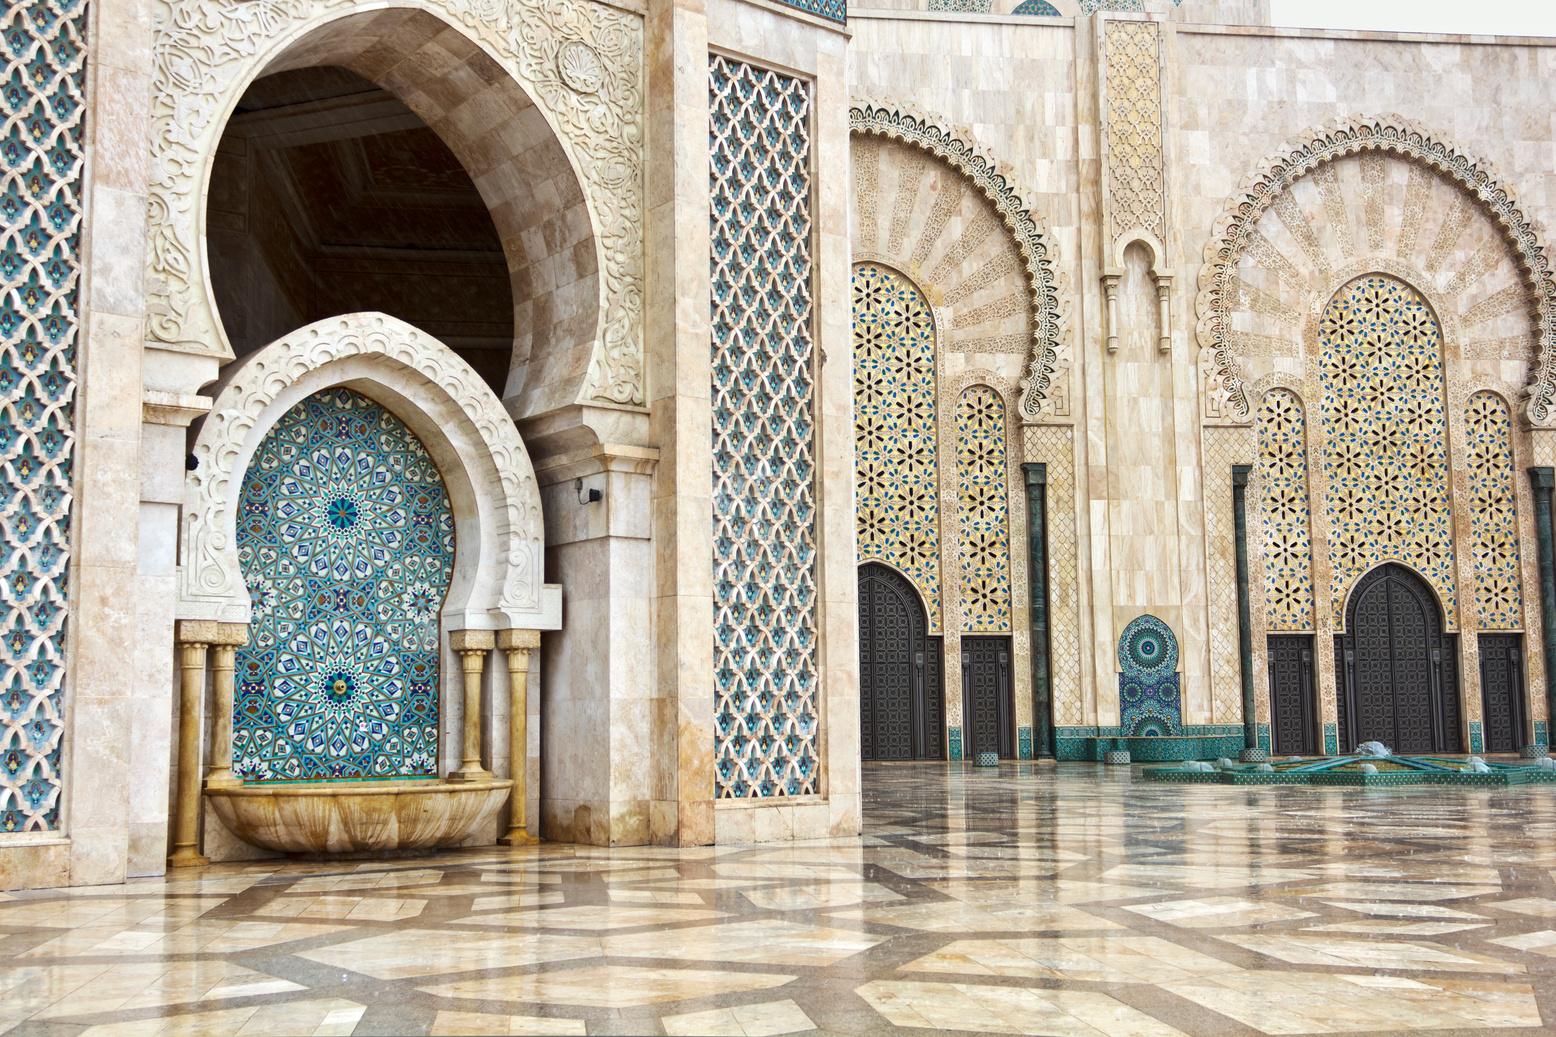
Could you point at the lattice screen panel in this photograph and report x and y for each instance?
(982, 507)
(764, 512)
(1493, 514)
(1283, 513)
(41, 103)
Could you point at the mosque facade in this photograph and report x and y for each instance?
(448, 422)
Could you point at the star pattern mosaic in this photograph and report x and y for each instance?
(1283, 513)
(764, 510)
(1150, 695)
(982, 506)
(1493, 514)
(43, 47)
(895, 430)
(346, 540)
(1385, 438)
(1063, 900)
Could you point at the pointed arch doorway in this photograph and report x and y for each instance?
(900, 697)
(1398, 667)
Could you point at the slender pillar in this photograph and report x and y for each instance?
(229, 638)
(1164, 304)
(194, 637)
(1036, 473)
(518, 644)
(1543, 479)
(473, 647)
(1110, 294)
(1240, 473)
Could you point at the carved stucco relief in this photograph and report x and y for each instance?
(579, 62)
(974, 242)
(491, 481)
(1318, 210)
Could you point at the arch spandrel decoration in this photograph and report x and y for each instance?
(500, 566)
(578, 61)
(1037, 254)
(1242, 322)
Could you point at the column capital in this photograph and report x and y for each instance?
(1543, 477)
(235, 634)
(199, 631)
(471, 640)
(1036, 472)
(518, 640)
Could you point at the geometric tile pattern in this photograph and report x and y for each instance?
(1223, 448)
(764, 511)
(1036, 900)
(1054, 446)
(1038, 8)
(346, 541)
(1493, 514)
(1149, 692)
(43, 50)
(1137, 189)
(1385, 438)
(1283, 513)
(966, 6)
(836, 10)
(983, 503)
(896, 475)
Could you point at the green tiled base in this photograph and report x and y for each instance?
(1406, 770)
(1204, 742)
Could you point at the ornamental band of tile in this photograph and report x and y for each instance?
(983, 511)
(1284, 513)
(1137, 187)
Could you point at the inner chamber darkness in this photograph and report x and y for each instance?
(330, 196)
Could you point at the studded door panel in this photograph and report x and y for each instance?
(1501, 690)
(1291, 694)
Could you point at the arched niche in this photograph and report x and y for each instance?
(499, 562)
(541, 104)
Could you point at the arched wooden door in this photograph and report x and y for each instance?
(1399, 668)
(899, 670)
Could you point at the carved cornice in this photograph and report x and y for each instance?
(1347, 136)
(897, 121)
(206, 52)
(510, 559)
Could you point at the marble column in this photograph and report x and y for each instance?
(518, 644)
(473, 647)
(194, 640)
(229, 638)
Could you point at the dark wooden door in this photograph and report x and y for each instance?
(987, 698)
(1293, 708)
(1398, 666)
(1502, 692)
(899, 670)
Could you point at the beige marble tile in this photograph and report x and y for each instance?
(327, 1017)
(1217, 911)
(1539, 907)
(765, 942)
(1405, 910)
(1374, 954)
(408, 953)
(458, 1024)
(760, 1020)
(813, 897)
(962, 917)
(988, 1009)
(610, 986)
(598, 916)
(1384, 926)
(351, 909)
(1542, 942)
(1112, 959)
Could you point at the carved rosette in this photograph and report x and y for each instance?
(1226, 395)
(206, 52)
(1037, 252)
(212, 579)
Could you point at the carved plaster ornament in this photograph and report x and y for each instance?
(1226, 397)
(899, 121)
(207, 52)
(512, 562)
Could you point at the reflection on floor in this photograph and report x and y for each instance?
(1042, 900)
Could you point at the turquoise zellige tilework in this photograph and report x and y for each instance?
(764, 510)
(42, 107)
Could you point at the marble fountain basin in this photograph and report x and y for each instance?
(357, 817)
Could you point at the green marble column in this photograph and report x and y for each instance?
(1036, 474)
(1240, 473)
(1543, 479)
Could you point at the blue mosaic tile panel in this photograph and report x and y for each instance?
(1477, 737)
(346, 540)
(1283, 513)
(1149, 696)
(1331, 740)
(764, 510)
(1499, 603)
(836, 10)
(1037, 8)
(1023, 743)
(982, 511)
(954, 740)
(41, 102)
(1539, 733)
(896, 474)
(1385, 438)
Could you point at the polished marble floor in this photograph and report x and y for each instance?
(1061, 900)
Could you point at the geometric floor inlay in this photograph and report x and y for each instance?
(1036, 899)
